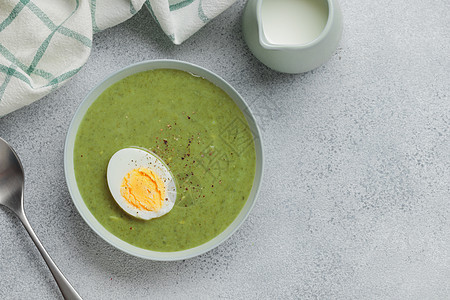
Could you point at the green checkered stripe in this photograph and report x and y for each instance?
(16, 68)
(175, 5)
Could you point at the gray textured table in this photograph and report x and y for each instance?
(355, 202)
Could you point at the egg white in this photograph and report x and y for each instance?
(127, 159)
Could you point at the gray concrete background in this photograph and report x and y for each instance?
(355, 202)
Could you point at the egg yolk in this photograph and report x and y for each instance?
(143, 189)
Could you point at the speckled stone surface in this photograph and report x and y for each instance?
(355, 202)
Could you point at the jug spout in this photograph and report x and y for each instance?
(290, 23)
(263, 41)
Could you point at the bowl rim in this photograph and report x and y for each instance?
(70, 173)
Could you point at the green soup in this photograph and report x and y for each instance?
(196, 128)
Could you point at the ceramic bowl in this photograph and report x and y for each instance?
(291, 58)
(69, 163)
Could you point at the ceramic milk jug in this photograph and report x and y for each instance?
(292, 36)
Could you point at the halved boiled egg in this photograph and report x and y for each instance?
(141, 183)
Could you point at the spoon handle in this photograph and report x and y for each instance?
(66, 288)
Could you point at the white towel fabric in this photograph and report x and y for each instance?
(44, 43)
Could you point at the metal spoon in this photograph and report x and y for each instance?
(11, 196)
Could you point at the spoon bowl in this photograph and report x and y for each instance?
(11, 178)
(12, 181)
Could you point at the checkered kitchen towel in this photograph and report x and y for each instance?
(43, 43)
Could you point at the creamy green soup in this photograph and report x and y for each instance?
(199, 132)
